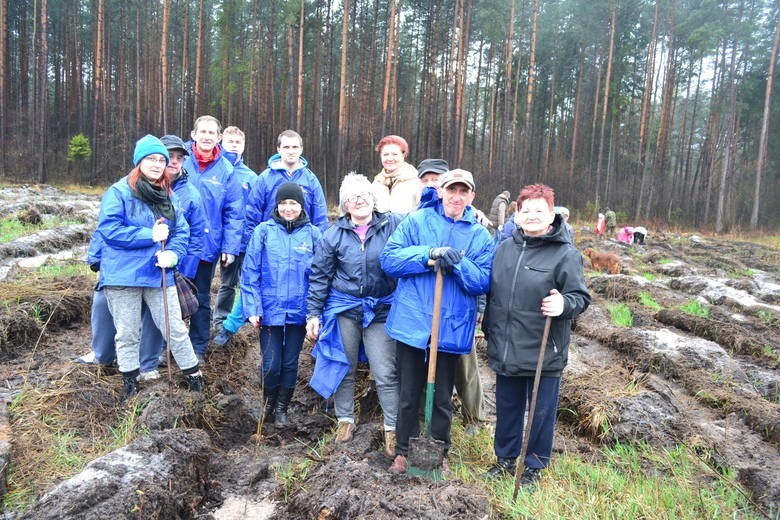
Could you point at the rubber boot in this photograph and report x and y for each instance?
(270, 395)
(131, 386)
(285, 394)
(195, 381)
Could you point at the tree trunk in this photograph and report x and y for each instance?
(3, 80)
(344, 86)
(199, 50)
(644, 117)
(41, 102)
(163, 122)
(525, 136)
(299, 104)
(764, 127)
(388, 66)
(605, 102)
(576, 123)
(97, 89)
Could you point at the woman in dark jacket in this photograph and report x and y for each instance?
(350, 296)
(536, 274)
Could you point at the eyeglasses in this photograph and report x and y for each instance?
(365, 197)
(157, 160)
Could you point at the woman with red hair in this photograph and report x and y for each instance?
(397, 187)
(536, 274)
(138, 213)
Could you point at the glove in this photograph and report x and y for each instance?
(167, 259)
(227, 259)
(160, 232)
(313, 327)
(256, 321)
(552, 305)
(95, 267)
(446, 258)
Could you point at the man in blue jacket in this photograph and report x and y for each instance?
(223, 205)
(448, 233)
(287, 165)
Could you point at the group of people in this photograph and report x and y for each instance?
(606, 223)
(362, 287)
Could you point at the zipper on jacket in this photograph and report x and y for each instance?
(511, 299)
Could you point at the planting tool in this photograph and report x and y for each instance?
(166, 318)
(426, 454)
(527, 431)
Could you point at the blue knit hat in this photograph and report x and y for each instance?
(147, 145)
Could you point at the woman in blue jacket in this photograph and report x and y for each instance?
(350, 297)
(274, 284)
(137, 213)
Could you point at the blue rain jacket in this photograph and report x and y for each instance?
(128, 252)
(406, 257)
(275, 275)
(223, 205)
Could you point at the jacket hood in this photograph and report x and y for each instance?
(404, 173)
(376, 218)
(557, 234)
(290, 225)
(275, 162)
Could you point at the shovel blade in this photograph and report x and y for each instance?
(425, 458)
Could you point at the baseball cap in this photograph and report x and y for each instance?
(438, 166)
(458, 175)
(174, 142)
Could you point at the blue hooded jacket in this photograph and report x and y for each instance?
(262, 197)
(246, 176)
(406, 257)
(192, 205)
(127, 256)
(223, 205)
(275, 276)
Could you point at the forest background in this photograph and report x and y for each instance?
(665, 110)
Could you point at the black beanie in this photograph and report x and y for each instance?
(289, 190)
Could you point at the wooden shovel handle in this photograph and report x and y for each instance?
(435, 325)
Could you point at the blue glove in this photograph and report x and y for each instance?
(445, 257)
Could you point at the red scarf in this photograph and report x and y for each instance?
(205, 158)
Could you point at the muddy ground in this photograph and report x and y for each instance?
(672, 378)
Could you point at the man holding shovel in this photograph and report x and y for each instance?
(447, 233)
(536, 278)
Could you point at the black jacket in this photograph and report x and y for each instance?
(343, 263)
(524, 271)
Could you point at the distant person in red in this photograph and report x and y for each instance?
(601, 225)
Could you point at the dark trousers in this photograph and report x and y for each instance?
(200, 323)
(639, 238)
(513, 396)
(412, 369)
(281, 346)
(229, 278)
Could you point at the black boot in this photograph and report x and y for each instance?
(270, 395)
(502, 468)
(285, 394)
(195, 381)
(131, 386)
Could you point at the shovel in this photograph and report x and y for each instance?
(527, 432)
(425, 453)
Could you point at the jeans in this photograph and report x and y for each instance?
(229, 278)
(200, 323)
(412, 380)
(125, 305)
(235, 320)
(513, 396)
(380, 350)
(103, 330)
(281, 346)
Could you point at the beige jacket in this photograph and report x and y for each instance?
(400, 192)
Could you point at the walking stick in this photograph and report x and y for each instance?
(527, 433)
(166, 318)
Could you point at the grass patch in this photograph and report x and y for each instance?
(67, 270)
(646, 299)
(695, 308)
(649, 276)
(11, 228)
(629, 481)
(620, 315)
(740, 273)
(664, 261)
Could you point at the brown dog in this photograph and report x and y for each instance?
(603, 261)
